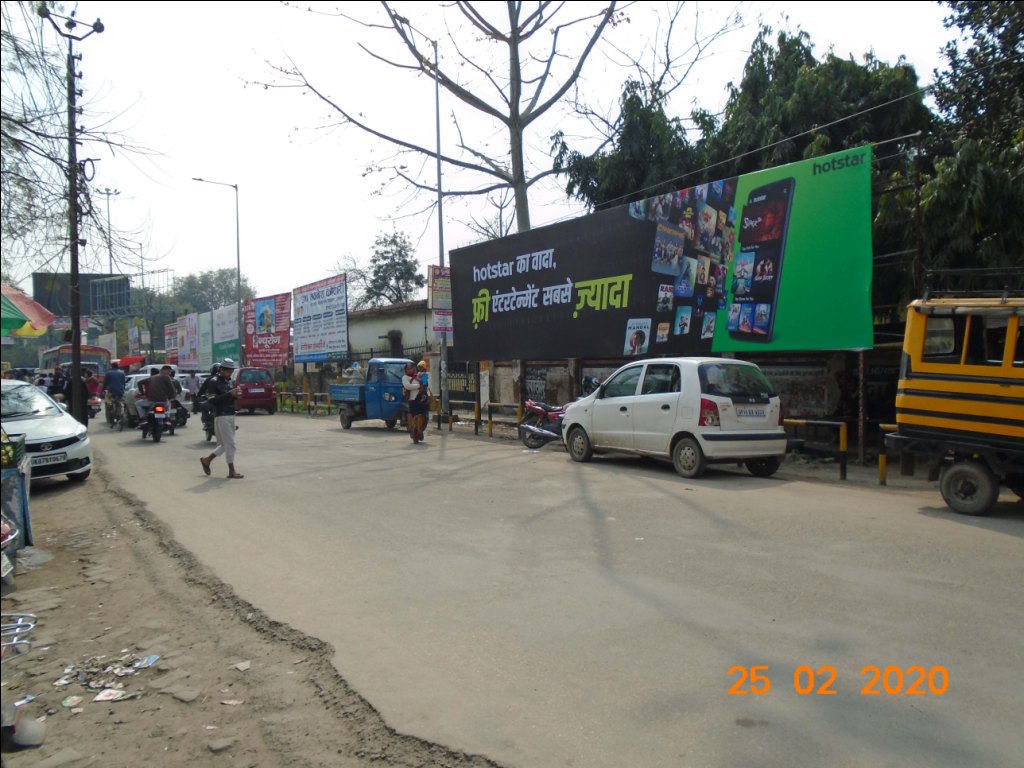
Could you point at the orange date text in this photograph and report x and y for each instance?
(874, 680)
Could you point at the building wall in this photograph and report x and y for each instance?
(368, 329)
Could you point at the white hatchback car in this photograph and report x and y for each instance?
(55, 441)
(692, 410)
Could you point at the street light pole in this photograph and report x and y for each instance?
(440, 230)
(238, 259)
(110, 248)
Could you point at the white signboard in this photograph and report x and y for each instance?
(320, 326)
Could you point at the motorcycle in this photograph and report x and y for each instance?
(542, 423)
(160, 418)
(181, 414)
(206, 411)
(95, 405)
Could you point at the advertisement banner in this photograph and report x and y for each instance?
(134, 340)
(206, 360)
(171, 343)
(321, 320)
(440, 288)
(109, 342)
(225, 334)
(267, 330)
(774, 260)
(188, 342)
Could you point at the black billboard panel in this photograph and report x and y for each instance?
(98, 294)
(646, 278)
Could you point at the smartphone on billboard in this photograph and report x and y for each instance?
(757, 271)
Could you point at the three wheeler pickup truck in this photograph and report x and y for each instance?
(373, 392)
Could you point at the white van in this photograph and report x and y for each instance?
(691, 410)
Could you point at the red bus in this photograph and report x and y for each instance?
(97, 358)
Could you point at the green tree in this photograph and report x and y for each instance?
(648, 153)
(790, 106)
(393, 276)
(206, 291)
(971, 206)
(981, 93)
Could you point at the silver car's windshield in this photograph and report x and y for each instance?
(25, 400)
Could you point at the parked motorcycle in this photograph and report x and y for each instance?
(95, 405)
(542, 423)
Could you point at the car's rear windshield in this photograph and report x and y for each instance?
(734, 380)
(255, 377)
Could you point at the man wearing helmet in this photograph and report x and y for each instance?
(222, 399)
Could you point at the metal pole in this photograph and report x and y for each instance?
(238, 280)
(74, 300)
(238, 261)
(440, 232)
(110, 248)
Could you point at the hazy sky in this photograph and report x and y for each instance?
(172, 77)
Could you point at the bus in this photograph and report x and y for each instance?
(97, 358)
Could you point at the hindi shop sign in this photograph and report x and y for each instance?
(268, 330)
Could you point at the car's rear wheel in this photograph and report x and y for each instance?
(346, 418)
(578, 444)
(688, 458)
(272, 409)
(763, 467)
(391, 423)
(969, 487)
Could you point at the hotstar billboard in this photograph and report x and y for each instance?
(779, 259)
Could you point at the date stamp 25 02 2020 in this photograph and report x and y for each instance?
(821, 681)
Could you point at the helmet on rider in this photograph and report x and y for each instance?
(214, 369)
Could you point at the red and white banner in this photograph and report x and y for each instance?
(268, 330)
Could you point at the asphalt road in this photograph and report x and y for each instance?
(544, 613)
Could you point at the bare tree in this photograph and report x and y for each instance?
(501, 221)
(686, 35)
(509, 63)
(34, 144)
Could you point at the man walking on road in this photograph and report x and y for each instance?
(222, 399)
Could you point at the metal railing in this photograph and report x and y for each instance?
(843, 430)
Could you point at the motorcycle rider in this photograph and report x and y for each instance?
(113, 388)
(158, 388)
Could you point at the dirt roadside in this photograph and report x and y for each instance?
(116, 589)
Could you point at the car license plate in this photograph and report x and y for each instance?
(55, 458)
(256, 391)
(750, 413)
